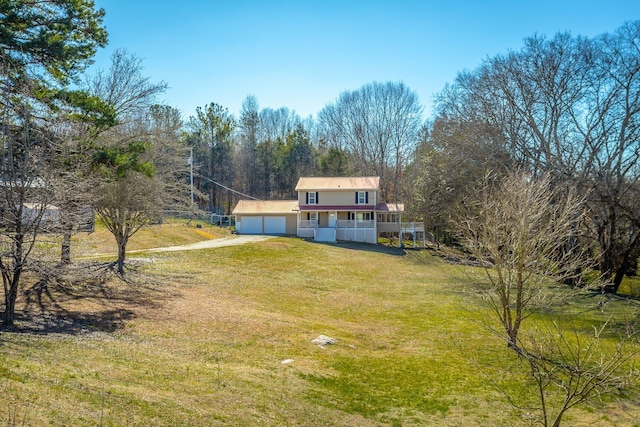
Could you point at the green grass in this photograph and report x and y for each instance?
(630, 286)
(201, 339)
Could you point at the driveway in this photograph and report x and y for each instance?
(208, 244)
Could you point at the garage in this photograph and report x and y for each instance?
(275, 225)
(251, 225)
(278, 217)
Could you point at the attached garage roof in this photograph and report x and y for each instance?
(259, 207)
(338, 183)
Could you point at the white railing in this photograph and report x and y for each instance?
(306, 223)
(408, 227)
(355, 224)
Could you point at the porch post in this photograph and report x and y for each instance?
(414, 235)
(355, 226)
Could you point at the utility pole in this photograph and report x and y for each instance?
(191, 172)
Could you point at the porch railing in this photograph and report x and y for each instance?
(341, 223)
(408, 227)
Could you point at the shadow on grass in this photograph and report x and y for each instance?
(71, 322)
(367, 247)
(85, 298)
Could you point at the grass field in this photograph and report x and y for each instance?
(199, 338)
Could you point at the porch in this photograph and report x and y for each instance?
(355, 232)
(344, 226)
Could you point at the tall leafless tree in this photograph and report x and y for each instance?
(248, 124)
(568, 107)
(25, 194)
(128, 190)
(379, 125)
(521, 230)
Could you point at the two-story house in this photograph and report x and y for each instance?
(327, 209)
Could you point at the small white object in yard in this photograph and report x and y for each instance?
(286, 361)
(323, 340)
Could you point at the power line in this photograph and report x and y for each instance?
(227, 188)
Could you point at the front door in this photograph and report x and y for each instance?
(332, 219)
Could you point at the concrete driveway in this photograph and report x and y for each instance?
(208, 244)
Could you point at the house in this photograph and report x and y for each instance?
(327, 209)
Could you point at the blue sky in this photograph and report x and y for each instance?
(303, 54)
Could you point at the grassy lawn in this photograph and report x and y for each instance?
(200, 337)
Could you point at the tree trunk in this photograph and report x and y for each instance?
(620, 272)
(627, 258)
(556, 423)
(122, 253)
(65, 250)
(9, 315)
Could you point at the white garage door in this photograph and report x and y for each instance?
(275, 225)
(251, 225)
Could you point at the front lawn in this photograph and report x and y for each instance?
(223, 337)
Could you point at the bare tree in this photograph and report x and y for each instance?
(124, 86)
(274, 128)
(127, 202)
(612, 137)
(569, 107)
(450, 164)
(128, 190)
(162, 127)
(276, 124)
(379, 124)
(249, 123)
(43, 47)
(521, 230)
(571, 367)
(24, 188)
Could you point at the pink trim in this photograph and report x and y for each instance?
(337, 208)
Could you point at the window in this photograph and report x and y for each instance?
(364, 216)
(384, 217)
(361, 197)
(312, 198)
(313, 216)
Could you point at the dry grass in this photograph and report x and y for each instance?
(198, 338)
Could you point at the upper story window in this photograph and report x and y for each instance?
(312, 198)
(362, 197)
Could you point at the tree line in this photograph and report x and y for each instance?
(371, 131)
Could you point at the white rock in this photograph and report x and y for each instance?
(323, 340)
